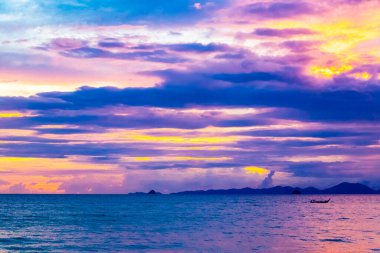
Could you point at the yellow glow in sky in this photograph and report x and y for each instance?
(143, 159)
(363, 75)
(10, 115)
(180, 139)
(179, 158)
(255, 170)
(331, 71)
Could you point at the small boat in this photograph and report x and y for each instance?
(319, 201)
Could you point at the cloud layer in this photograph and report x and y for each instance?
(104, 97)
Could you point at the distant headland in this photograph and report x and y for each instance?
(342, 188)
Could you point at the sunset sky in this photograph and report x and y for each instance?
(120, 96)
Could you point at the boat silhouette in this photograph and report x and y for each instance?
(319, 201)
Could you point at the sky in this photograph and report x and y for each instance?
(122, 96)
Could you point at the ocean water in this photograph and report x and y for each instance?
(169, 223)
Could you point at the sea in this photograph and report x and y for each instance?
(190, 223)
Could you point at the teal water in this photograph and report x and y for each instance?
(169, 223)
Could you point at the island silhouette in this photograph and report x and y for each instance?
(342, 188)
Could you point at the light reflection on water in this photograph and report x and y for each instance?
(189, 223)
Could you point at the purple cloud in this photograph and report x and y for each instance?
(110, 43)
(154, 56)
(283, 33)
(300, 46)
(268, 180)
(256, 89)
(278, 10)
(199, 48)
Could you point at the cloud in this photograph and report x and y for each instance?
(18, 188)
(230, 56)
(278, 10)
(326, 170)
(350, 2)
(257, 76)
(199, 48)
(171, 92)
(65, 43)
(165, 53)
(134, 117)
(3, 182)
(111, 43)
(91, 184)
(255, 170)
(268, 181)
(300, 46)
(153, 56)
(283, 33)
(288, 90)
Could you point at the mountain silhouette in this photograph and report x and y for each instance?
(342, 188)
(350, 188)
